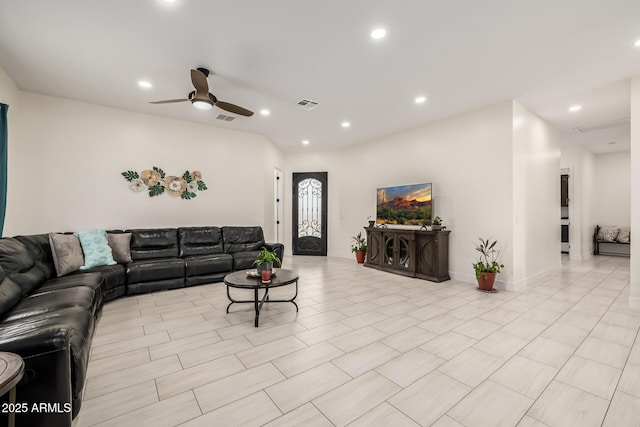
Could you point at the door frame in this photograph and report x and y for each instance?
(297, 247)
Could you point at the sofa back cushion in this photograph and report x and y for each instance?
(150, 243)
(242, 239)
(200, 241)
(39, 248)
(20, 266)
(10, 293)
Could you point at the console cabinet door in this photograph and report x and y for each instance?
(397, 252)
(374, 247)
(432, 255)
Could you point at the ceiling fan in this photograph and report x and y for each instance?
(202, 99)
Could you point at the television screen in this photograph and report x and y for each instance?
(404, 204)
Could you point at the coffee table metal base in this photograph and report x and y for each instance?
(259, 302)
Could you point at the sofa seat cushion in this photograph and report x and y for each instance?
(94, 281)
(244, 260)
(113, 275)
(208, 264)
(155, 269)
(84, 297)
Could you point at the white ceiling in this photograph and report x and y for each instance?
(460, 54)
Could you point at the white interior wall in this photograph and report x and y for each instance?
(536, 217)
(71, 155)
(634, 297)
(468, 159)
(612, 205)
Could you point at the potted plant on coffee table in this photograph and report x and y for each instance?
(487, 265)
(359, 246)
(266, 259)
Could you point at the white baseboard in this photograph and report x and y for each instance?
(471, 278)
(634, 302)
(503, 285)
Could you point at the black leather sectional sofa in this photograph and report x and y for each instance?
(50, 320)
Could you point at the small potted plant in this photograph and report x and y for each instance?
(487, 265)
(359, 246)
(266, 259)
(436, 224)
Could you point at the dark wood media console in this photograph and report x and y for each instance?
(413, 253)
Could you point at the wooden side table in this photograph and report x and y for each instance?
(11, 371)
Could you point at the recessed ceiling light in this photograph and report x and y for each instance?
(145, 84)
(305, 142)
(345, 124)
(265, 112)
(378, 33)
(637, 43)
(575, 108)
(420, 99)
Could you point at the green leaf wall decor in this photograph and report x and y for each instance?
(156, 182)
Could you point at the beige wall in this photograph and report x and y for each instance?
(581, 163)
(536, 194)
(612, 204)
(634, 297)
(468, 158)
(70, 156)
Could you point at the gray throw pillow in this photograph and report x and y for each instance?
(67, 253)
(120, 246)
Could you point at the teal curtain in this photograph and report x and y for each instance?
(3, 163)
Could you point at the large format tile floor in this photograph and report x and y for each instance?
(372, 349)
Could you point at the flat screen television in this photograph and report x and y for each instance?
(404, 204)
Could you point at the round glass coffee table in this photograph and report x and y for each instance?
(243, 279)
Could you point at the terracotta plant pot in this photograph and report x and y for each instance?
(485, 281)
(360, 255)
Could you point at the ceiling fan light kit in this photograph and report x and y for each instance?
(203, 100)
(202, 105)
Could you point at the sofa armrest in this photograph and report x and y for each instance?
(47, 373)
(27, 341)
(278, 248)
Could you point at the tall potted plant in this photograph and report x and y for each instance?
(359, 246)
(487, 265)
(266, 259)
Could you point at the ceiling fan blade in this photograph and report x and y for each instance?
(232, 108)
(168, 101)
(199, 81)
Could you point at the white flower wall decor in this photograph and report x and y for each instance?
(156, 182)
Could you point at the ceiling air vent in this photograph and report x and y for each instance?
(306, 104)
(225, 118)
(603, 126)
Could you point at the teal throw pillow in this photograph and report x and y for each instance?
(96, 248)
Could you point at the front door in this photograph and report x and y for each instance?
(309, 213)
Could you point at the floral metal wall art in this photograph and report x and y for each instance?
(156, 182)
